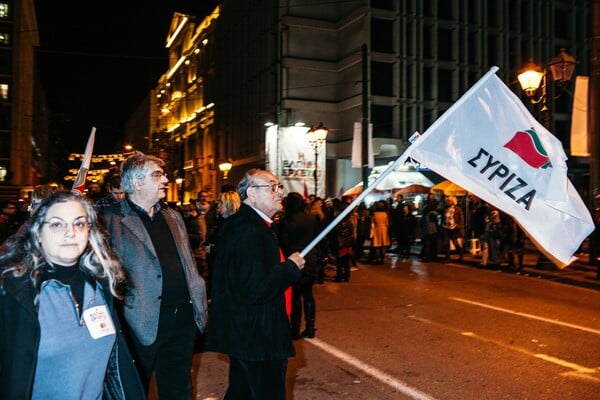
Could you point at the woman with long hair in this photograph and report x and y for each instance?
(59, 332)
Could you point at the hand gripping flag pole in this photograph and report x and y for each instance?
(79, 184)
(355, 203)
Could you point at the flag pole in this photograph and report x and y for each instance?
(355, 203)
(79, 183)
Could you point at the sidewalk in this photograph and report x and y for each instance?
(579, 273)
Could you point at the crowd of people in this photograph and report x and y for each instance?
(100, 298)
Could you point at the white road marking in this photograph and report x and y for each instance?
(372, 371)
(536, 317)
(578, 371)
(566, 364)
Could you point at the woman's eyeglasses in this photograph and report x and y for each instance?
(275, 187)
(60, 226)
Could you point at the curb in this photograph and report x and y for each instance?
(577, 274)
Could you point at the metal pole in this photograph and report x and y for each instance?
(594, 128)
(316, 146)
(365, 117)
(544, 262)
(545, 110)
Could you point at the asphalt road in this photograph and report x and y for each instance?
(412, 330)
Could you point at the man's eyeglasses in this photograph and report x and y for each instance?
(275, 187)
(158, 174)
(60, 226)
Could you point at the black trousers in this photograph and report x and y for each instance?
(302, 299)
(170, 356)
(452, 235)
(256, 380)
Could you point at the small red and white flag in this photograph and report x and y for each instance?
(79, 184)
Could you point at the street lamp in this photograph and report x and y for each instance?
(316, 136)
(225, 167)
(533, 77)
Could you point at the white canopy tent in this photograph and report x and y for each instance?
(401, 177)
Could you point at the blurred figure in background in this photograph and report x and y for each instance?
(190, 219)
(59, 336)
(41, 192)
(317, 210)
(429, 228)
(363, 230)
(115, 193)
(380, 240)
(344, 234)
(492, 240)
(9, 221)
(297, 229)
(229, 203)
(515, 246)
(453, 225)
(405, 230)
(429, 250)
(203, 205)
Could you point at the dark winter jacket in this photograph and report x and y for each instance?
(295, 233)
(20, 338)
(247, 318)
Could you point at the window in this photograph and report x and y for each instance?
(445, 10)
(445, 86)
(3, 10)
(382, 35)
(445, 47)
(3, 91)
(563, 28)
(5, 62)
(4, 39)
(492, 55)
(382, 118)
(427, 40)
(5, 119)
(383, 4)
(4, 144)
(382, 80)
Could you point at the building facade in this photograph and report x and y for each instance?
(289, 61)
(183, 132)
(23, 132)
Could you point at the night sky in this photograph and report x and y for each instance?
(98, 60)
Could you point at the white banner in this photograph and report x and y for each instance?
(357, 147)
(291, 157)
(489, 144)
(579, 122)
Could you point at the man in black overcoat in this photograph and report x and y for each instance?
(247, 317)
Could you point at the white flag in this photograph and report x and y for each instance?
(357, 151)
(490, 144)
(79, 183)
